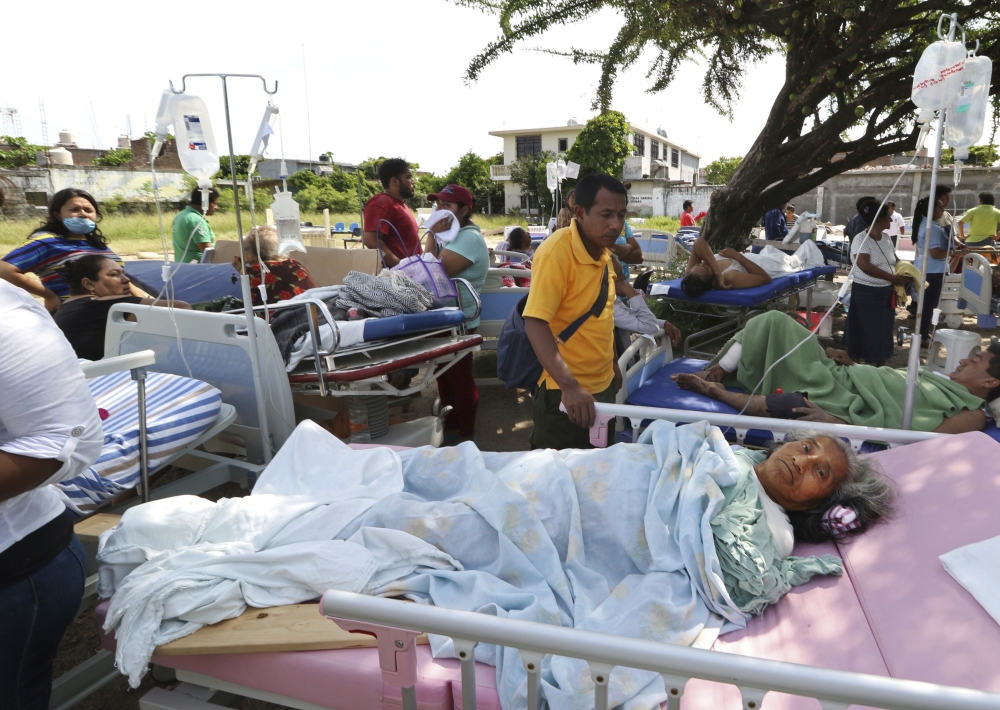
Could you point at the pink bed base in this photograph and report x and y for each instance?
(895, 612)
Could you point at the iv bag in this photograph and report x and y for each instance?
(195, 140)
(163, 118)
(967, 110)
(938, 76)
(551, 176)
(286, 220)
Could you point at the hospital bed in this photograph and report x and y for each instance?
(734, 307)
(215, 348)
(648, 393)
(895, 631)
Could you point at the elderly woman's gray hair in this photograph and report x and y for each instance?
(265, 238)
(865, 489)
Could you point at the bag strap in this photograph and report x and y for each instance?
(595, 310)
(402, 244)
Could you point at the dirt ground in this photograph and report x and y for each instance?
(503, 424)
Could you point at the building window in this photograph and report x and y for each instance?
(563, 145)
(37, 199)
(529, 202)
(640, 144)
(675, 158)
(654, 150)
(528, 145)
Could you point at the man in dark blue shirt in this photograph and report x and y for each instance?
(775, 227)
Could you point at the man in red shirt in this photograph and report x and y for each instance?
(389, 207)
(687, 217)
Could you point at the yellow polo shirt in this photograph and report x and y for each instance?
(565, 282)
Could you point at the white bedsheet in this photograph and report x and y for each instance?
(777, 263)
(613, 540)
(977, 568)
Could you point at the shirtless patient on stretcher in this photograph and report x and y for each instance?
(977, 377)
(728, 269)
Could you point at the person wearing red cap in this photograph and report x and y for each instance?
(389, 223)
(464, 257)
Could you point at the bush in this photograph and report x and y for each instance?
(114, 158)
(261, 197)
(322, 195)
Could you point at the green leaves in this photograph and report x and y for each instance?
(602, 145)
(19, 153)
(114, 158)
(719, 171)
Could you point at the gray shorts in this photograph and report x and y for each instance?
(780, 406)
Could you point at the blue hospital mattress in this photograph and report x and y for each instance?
(743, 297)
(193, 283)
(394, 326)
(662, 392)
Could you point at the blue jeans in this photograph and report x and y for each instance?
(34, 614)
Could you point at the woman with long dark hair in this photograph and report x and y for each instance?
(69, 231)
(871, 317)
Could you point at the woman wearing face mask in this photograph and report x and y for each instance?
(69, 232)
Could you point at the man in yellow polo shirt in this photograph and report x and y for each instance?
(982, 221)
(566, 281)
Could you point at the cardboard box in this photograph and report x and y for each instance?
(328, 267)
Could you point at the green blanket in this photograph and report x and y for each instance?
(755, 576)
(859, 394)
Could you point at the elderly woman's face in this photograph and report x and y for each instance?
(803, 473)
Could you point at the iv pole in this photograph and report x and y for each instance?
(913, 365)
(244, 278)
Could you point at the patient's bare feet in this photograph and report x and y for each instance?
(694, 382)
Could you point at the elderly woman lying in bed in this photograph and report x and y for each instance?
(825, 386)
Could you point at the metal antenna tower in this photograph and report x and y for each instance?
(45, 125)
(13, 119)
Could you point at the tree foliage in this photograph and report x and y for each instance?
(844, 100)
(19, 152)
(528, 172)
(602, 145)
(720, 170)
(980, 155)
(337, 193)
(242, 166)
(114, 157)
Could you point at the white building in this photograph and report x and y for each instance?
(654, 155)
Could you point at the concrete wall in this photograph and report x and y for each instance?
(103, 183)
(836, 198)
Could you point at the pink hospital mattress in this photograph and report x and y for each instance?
(894, 612)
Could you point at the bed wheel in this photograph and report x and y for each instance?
(901, 335)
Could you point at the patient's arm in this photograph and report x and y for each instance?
(755, 405)
(701, 252)
(966, 420)
(755, 275)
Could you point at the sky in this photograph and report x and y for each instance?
(384, 77)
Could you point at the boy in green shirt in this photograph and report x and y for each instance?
(982, 221)
(192, 233)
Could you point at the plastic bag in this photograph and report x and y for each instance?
(430, 273)
(967, 109)
(938, 76)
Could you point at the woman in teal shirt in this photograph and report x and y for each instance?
(464, 257)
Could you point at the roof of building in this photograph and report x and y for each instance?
(579, 127)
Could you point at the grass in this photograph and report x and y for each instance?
(133, 233)
(668, 224)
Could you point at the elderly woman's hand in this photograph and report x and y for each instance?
(814, 413)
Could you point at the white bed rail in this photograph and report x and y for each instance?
(855, 435)
(395, 623)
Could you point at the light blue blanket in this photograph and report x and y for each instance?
(614, 540)
(617, 541)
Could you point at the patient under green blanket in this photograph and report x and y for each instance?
(837, 392)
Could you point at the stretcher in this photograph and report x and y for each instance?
(214, 348)
(895, 631)
(648, 393)
(734, 307)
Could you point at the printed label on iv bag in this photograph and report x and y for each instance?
(965, 97)
(196, 134)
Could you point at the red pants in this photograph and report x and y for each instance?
(457, 389)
